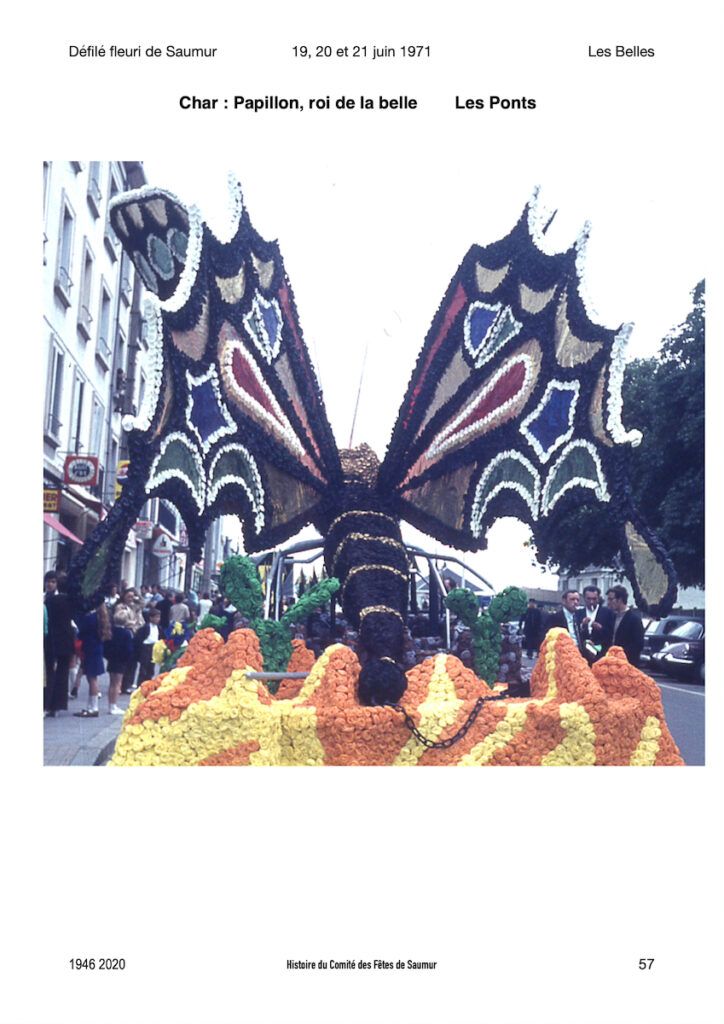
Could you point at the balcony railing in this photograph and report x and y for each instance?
(63, 284)
(103, 352)
(85, 319)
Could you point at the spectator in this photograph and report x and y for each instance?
(628, 629)
(179, 611)
(595, 625)
(565, 617)
(164, 606)
(58, 644)
(127, 618)
(113, 596)
(145, 638)
(94, 631)
(532, 625)
(204, 606)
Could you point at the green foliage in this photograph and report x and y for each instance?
(276, 646)
(211, 622)
(509, 604)
(485, 625)
(241, 584)
(663, 397)
(314, 597)
(464, 604)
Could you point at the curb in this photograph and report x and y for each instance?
(101, 750)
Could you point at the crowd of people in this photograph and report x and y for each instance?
(117, 637)
(593, 625)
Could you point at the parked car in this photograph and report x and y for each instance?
(657, 634)
(683, 653)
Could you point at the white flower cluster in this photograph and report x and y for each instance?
(449, 437)
(154, 328)
(276, 421)
(158, 477)
(255, 494)
(598, 485)
(532, 500)
(191, 267)
(614, 405)
(555, 385)
(538, 217)
(228, 427)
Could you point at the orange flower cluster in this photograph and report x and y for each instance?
(208, 662)
(575, 716)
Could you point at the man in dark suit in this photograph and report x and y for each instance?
(595, 625)
(566, 617)
(58, 647)
(532, 625)
(628, 629)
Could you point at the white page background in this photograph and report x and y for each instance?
(537, 892)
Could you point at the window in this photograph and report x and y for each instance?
(76, 413)
(94, 194)
(85, 317)
(126, 277)
(46, 182)
(54, 393)
(63, 282)
(95, 442)
(110, 239)
(103, 344)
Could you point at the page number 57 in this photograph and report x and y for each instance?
(646, 964)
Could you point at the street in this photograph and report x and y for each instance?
(684, 710)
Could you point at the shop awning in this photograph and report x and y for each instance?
(55, 524)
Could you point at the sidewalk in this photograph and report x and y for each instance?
(82, 741)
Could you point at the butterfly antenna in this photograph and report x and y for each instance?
(359, 392)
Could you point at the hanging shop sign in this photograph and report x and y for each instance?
(121, 476)
(51, 499)
(81, 469)
(162, 546)
(144, 529)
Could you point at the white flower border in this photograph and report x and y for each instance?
(229, 427)
(531, 500)
(154, 326)
(155, 478)
(441, 443)
(598, 486)
(256, 500)
(553, 385)
(614, 403)
(193, 250)
(279, 423)
(255, 315)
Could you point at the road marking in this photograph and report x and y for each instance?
(666, 686)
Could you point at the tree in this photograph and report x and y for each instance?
(664, 399)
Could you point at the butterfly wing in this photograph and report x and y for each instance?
(514, 409)
(233, 421)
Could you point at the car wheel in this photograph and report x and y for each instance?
(701, 674)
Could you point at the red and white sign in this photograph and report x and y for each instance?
(81, 470)
(144, 529)
(162, 546)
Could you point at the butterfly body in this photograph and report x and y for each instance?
(513, 409)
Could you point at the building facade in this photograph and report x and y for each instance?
(96, 366)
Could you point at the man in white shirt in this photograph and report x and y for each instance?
(595, 625)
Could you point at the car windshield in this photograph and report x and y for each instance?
(687, 631)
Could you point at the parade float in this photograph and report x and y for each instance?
(513, 409)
